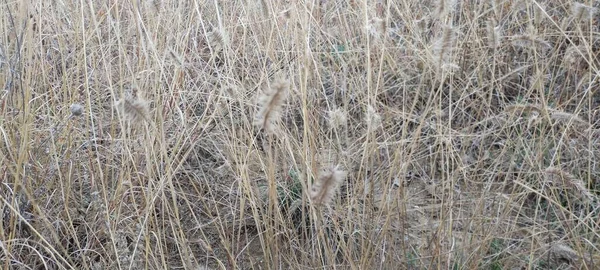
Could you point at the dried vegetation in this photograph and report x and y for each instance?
(299, 134)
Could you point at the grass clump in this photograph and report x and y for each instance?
(275, 134)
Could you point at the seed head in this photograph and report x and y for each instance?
(372, 117)
(376, 28)
(582, 12)
(494, 34)
(217, 40)
(134, 110)
(337, 118)
(444, 46)
(270, 104)
(444, 7)
(325, 188)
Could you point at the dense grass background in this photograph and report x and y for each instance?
(463, 135)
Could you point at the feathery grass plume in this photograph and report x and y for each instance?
(156, 5)
(494, 34)
(444, 45)
(582, 12)
(539, 13)
(533, 119)
(566, 117)
(287, 14)
(326, 186)
(443, 7)
(134, 110)
(337, 118)
(573, 55)
(497, 7)
(204, 244)
(450, 68)
(528, 41)
(270, 104)
(519, 109)
(376, 27)
(367, 186)
(372, 117)
(176, 57)
(587, 80)
(562, 179)
(265, 8)
(423, 24)
(216, 39)
(562, 252)
(518, 5)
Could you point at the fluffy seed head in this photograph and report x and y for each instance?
(443, 7)
(265, 8)
(326, 186)
(496, 5)
(562, 179)
(376, 28)
(337, 118)
(518, 5)
(574, 55)
(563, 252)
(582, 12)
(494, 34)
(444, 46)
(372, 117)
(565, 117)
(518, 109)
(286, 13)
(134, 110)
(217, 40)
(450, 68)
(528, 41)
(270, 104)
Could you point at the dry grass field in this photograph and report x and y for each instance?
(322, 134)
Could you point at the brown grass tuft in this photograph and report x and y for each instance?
(326, 186)
(270, 104)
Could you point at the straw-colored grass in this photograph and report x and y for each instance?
(279, 134)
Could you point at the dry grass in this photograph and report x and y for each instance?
(160, 135)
